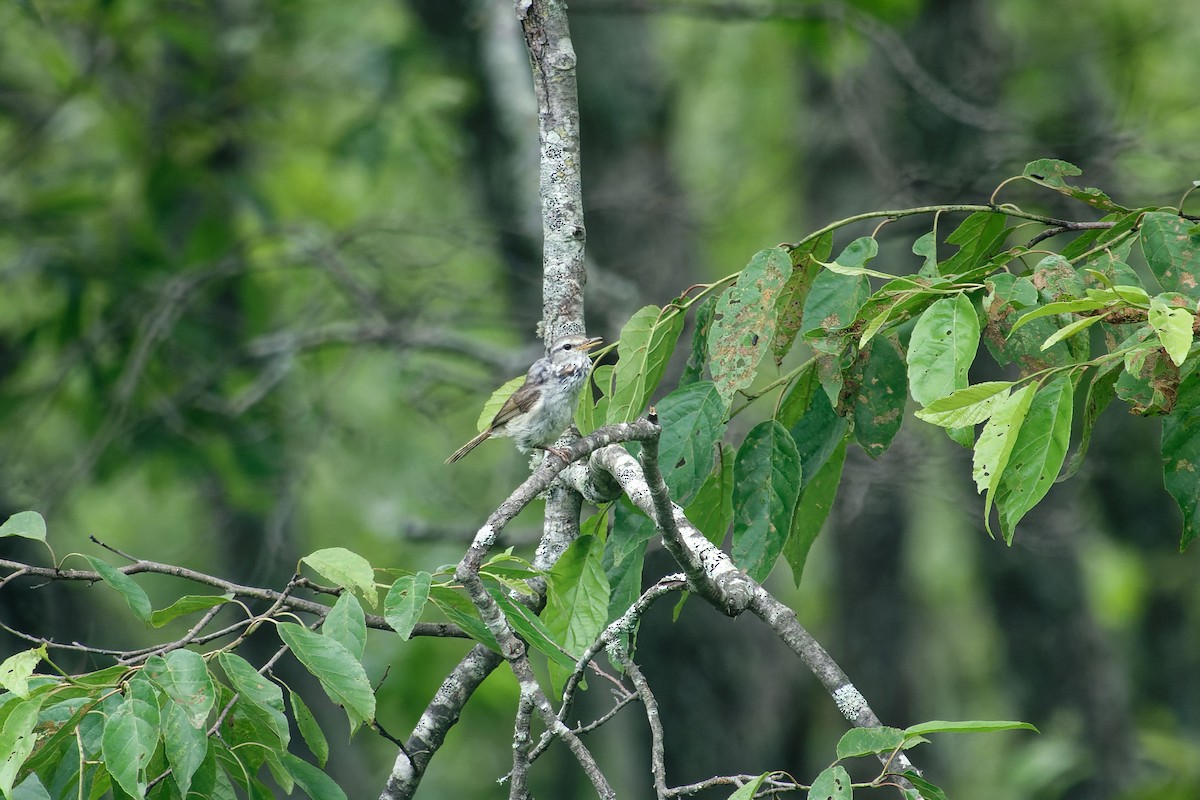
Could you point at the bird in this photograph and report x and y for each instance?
(537, 413)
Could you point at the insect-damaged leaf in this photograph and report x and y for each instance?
(744, 327)
(806, 261)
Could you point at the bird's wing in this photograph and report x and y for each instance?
(517, 403)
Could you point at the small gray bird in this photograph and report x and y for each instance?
(537, 413)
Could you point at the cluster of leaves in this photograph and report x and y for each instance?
(834, 782)
(172, 721)
(176, 723)
(873, 338)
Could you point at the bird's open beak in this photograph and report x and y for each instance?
(590, 343)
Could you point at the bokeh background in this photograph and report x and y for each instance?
(260, 264)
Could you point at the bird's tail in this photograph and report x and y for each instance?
(468, 447)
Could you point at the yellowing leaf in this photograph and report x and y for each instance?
(1174, 328)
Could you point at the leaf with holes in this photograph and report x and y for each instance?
(881, 396)
(969, 406)
(17, 740)
(832, 784)
(806, 266)
(995, 445)
(1171, 245)
(1049, 172)
(744, 328)
(406, 601)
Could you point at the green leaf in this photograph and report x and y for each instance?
(941, 349)
(310, 731)
(314, 783)
(341, 675)
(965, 726)
(30, 789)
(624, 556)
(995, 445)
(851, 260)
(347, 623)
(833, 302)
(789, 316)
(183, 675)
(646, 344)
(130, 736)
(28, 524)
(744, 328)
(406, 601)
(138, 602)
(881, 396)
(462, 613)
(926, 247)
(185, 745)
(529, 627)
(749, 789)
(1150, 378)
(346, 569)
(816, 501)
(1006, 297)
(1049, 172)
(1172, 249)
(766, 485)
(494, 403)
(17, 740)
(188, 604)
(1062, 307)
(832, 784)
(16, 669)
(1069, 330)
(979, 237)
(711, 510)
(1099, 394)
(928, 791)
(259, 690)
(818, 432)
(692, 420)
(969, 406)
(1181, 456)
(577, 599)
(1174, 328)
(694, 369)
(1038, 454)
(868, 741)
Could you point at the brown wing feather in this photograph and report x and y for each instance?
(517, 403)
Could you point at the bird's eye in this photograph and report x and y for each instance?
(567, 346)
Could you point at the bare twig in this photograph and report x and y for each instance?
(291, 603)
